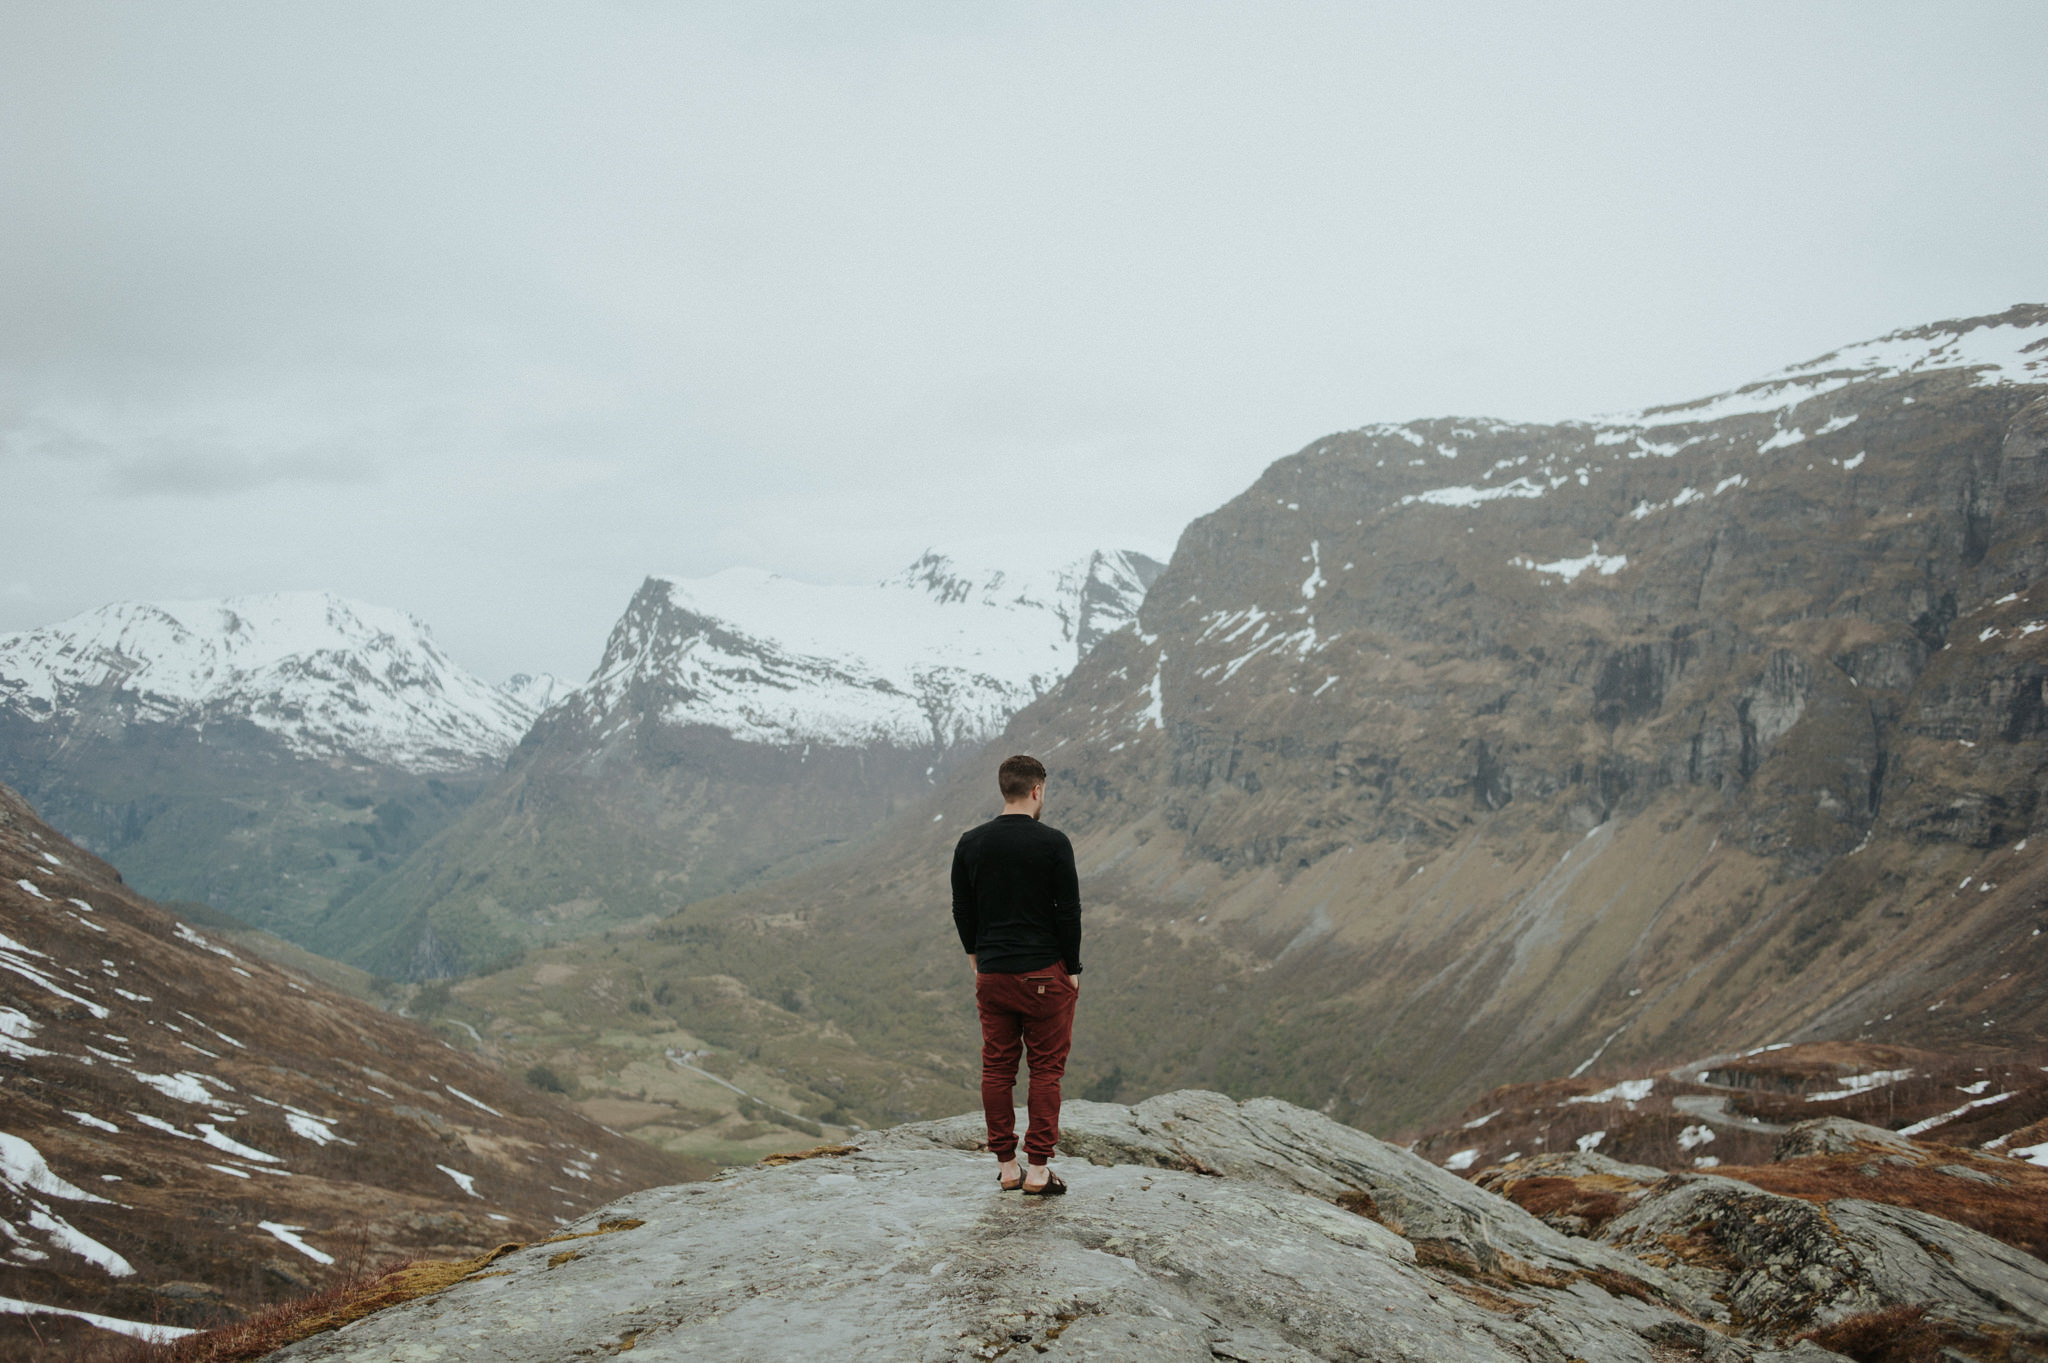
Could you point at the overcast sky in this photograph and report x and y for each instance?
(488, 311)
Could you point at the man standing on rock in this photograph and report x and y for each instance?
(1017, 904)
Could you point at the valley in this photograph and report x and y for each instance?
(1448, 755)
(1710, 727)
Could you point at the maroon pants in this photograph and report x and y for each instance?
(1028, 1012)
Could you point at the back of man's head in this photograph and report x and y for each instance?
(1018, 775)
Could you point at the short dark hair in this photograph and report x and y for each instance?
(1018, 775)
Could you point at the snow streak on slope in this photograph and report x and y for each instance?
(932, 657)
(329, 677)
(2010, 348)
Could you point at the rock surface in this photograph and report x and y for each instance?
(1197, 1228)
(1837, 1136)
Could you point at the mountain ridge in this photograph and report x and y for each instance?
(737, 727)
(328, 677)
(268, 755)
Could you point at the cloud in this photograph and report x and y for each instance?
(213, 473)
(179, 464)
(489, 310)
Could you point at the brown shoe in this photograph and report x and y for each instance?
(1054, 1187)
(1008, 1186)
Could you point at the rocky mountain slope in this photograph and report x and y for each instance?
(191, 1132)
(265, 754)
(1199, 1228)
(1735, 1109)
(1462, 753)
(736, 725)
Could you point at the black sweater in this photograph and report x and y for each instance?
(1016, 896)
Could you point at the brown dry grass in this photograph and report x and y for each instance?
(1897, 1334)
(357, 1296)
(2015, 1212)
(1596, 1199)
(815, 1152)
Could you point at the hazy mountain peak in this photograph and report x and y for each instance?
(327, 676)
(933, 656)
(535, 691)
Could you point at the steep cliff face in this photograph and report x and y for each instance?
(1460, 753)
(737, 726)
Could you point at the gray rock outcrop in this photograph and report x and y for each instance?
(1837, 1136)
(1197, 1228)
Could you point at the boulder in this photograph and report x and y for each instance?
(1775, 1266)
(1838, 1136)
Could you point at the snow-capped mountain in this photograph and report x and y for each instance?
(329, 678)
(535, 691)
(931, 658)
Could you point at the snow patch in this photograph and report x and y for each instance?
(466, 1182)
(22, 1168)
(1930, 1123)
(290, 1236)
(214, 1137)
(1315, 578)
(1473, 496)
(1860, 1083)
(135, 1329)
(187, 935)
(473, 1102)
(15, 1030)
(1606, 565)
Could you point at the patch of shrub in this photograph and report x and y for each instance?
(1105, 1088)
(545, 1079)
(1897, 1334)
(431, 999)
